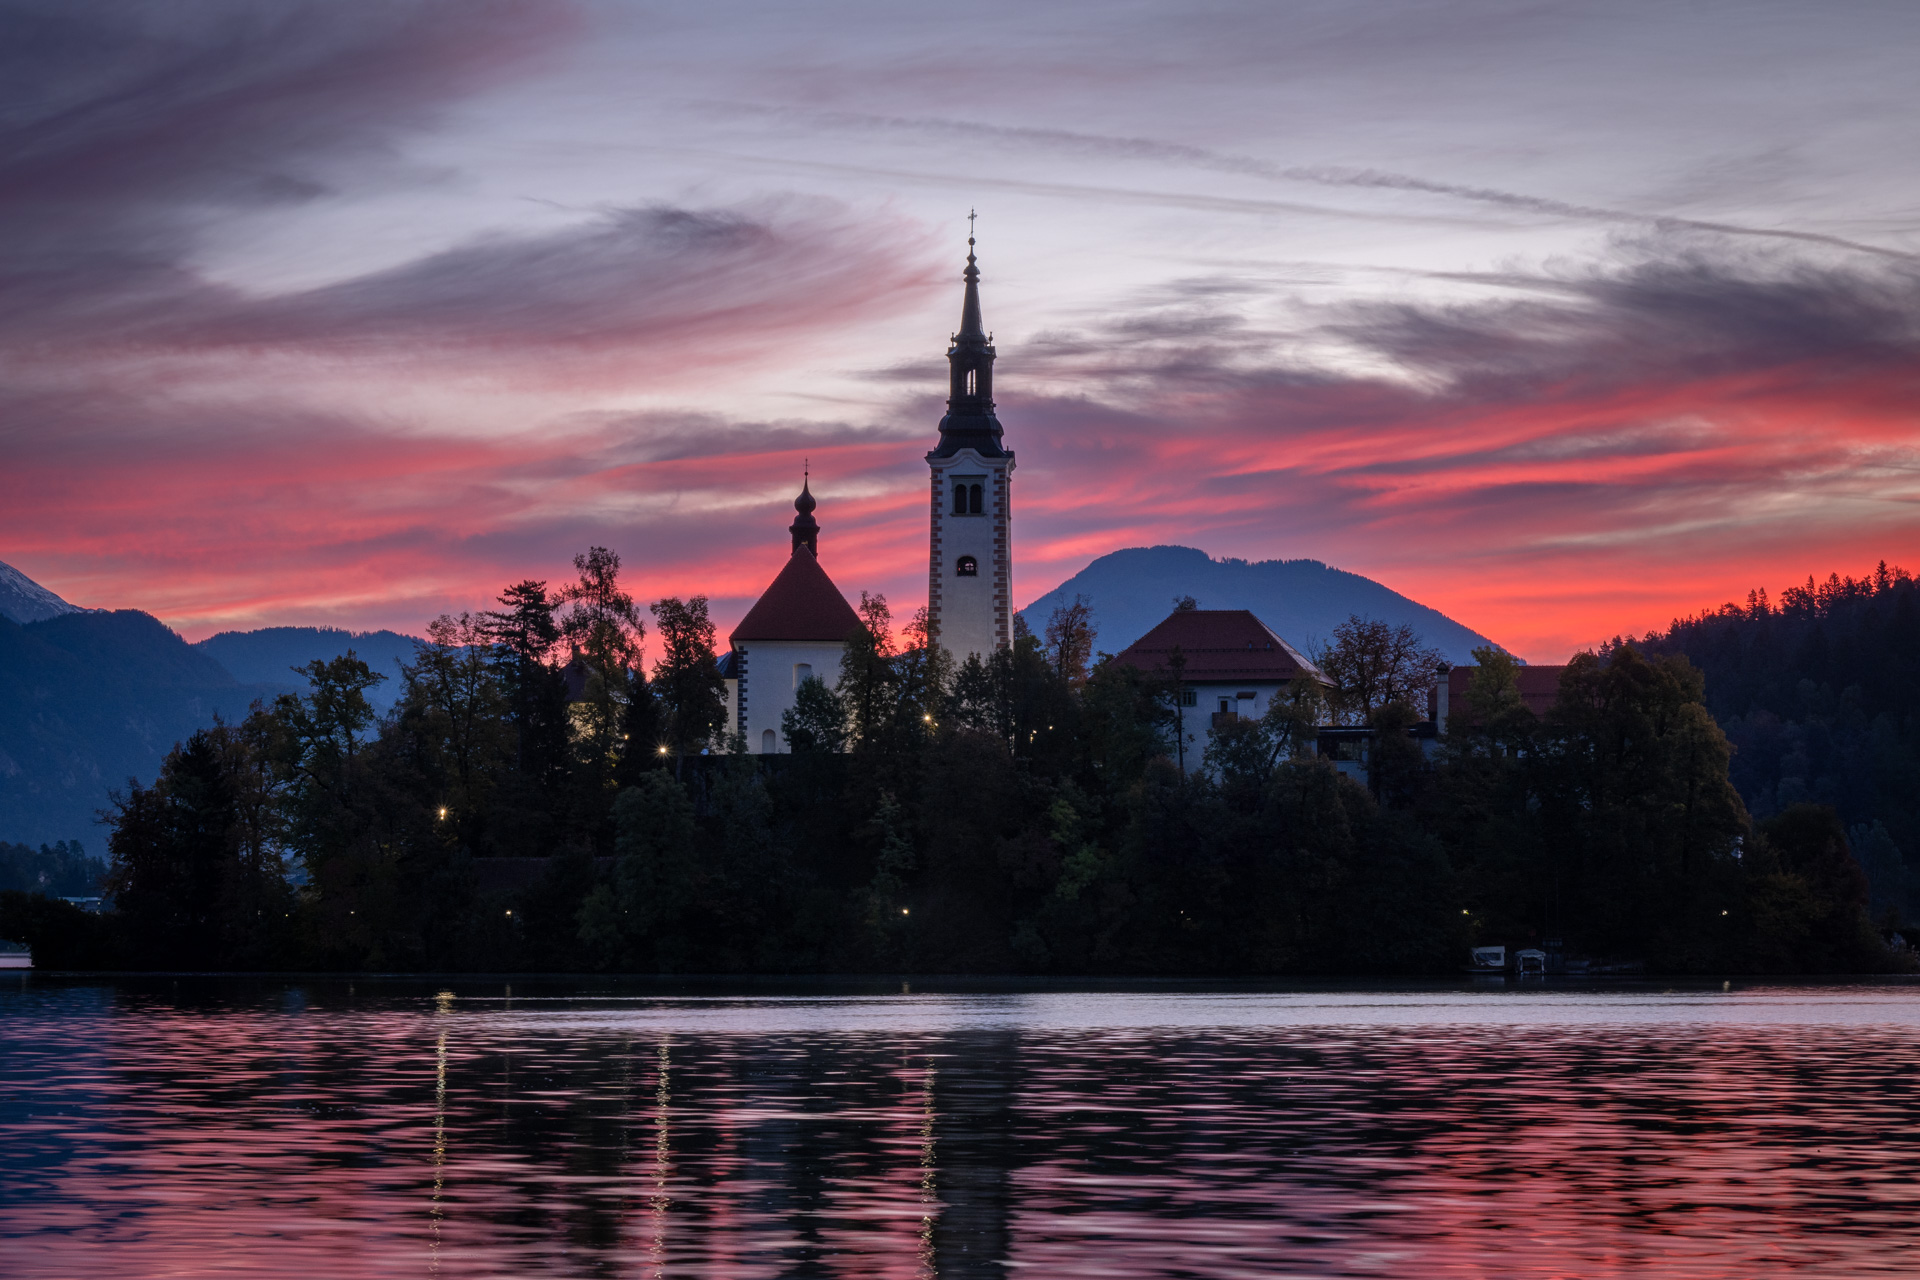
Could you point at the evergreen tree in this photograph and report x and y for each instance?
(196, 881)
(687, 680)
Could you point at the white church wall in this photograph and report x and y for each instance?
(772, 675)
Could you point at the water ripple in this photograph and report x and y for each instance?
(328, 1129)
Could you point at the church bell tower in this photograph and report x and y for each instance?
(970, 579)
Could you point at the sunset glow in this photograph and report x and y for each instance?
(404, 304)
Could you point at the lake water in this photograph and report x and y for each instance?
(333, 1129)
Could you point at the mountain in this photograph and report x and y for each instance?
(89, 699)
(24, 600)
(1303, 600)
(268, 656)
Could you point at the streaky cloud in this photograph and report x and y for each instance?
(1156, 151)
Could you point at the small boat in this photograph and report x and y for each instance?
(1488, 960)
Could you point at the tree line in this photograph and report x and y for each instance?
(540, 799)
(1819, 692)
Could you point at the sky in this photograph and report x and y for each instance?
(1564, 319)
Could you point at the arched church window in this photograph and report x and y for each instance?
(966, 567)
(973, 382)
(802, 672)
(973, 499)
(959, 499)
(766, 742)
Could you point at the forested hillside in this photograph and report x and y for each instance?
(1020, 814)
(270, 655)
(1819, 693)
(89, 700)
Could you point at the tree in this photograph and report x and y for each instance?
(455, 712)
(643, 732)
(867, 674)
(1808, 897)
(602, 624)
(635, 919)
(980, 698)
(1070, 636)
(195, 876)
(1246, 751)
(686, 679)
(1373, 663)
(327, 724)
(333, 808)
(922, 672)
(888, 916)
(524, 635)
(1639, 808)
(817, 721)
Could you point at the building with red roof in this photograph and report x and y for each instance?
(1539, 690)
(797, 629)
(1226, 664)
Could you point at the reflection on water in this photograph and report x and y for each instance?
(334, 1129)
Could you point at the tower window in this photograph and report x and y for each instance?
(968, 499)
(966, 567)
(973, 382)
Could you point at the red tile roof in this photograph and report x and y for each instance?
(802, 604)
(1539, 687)
(1223, 645)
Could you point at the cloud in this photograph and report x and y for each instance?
(137, 131)
(700, 285)
(127, 125)
(1589, 456)
(1577, 449)
(1603, 443)
(1162, 154)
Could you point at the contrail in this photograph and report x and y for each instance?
(1225, 162)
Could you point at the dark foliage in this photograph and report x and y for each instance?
(1819, 694)
(59, 870)
(1021, 813)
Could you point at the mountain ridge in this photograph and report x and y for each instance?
(23, 600)
(1133, 589)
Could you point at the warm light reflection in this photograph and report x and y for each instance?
(660, 1201)
(1705, 1134)
(929, 1176)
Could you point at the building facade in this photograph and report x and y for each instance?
(970, 562)
(798, 628)
(1224, 664)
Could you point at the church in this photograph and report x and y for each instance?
(799, 626)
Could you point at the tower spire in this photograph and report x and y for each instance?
(970, 422)
(805, 529)
(970, 326)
